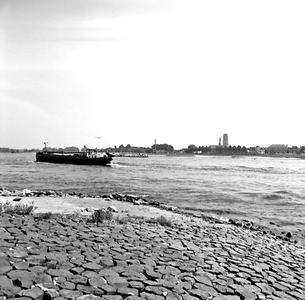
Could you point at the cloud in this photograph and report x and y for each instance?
(19, 11)
(30, 28)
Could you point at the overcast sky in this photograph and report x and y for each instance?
(132, 71)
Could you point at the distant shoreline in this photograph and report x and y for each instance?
(173, 154)
(278, 155)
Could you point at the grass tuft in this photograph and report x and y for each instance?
(101, 215)
(122, 220)
(162, 221)
(45, 216)
(17, 209)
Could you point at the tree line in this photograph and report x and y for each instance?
(10, 150)
(153, 149)
(218, 150)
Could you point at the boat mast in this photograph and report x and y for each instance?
(97, 137)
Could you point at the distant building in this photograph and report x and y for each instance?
(257, 150)
(261, 150)
(277, 148)
(302, 149)
(252, 150)
(294, 150)
(219, 143)
(225, 140)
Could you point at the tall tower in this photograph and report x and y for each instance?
(225, 140)
(219, 143)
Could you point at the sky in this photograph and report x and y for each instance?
(103, 73)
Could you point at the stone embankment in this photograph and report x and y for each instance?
(136, 200)
(71, 258)
(119, 197)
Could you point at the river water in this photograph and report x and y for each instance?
(261, 189)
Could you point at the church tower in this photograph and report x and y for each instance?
(225, 140)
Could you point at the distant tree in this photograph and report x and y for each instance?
(219, 150)
(72, 148)
(191, 148)
(207, 149)
(200, 149)
(163, 147)
(148, 150)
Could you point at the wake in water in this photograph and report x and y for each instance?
(118, 165)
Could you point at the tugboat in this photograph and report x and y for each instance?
(88, 157)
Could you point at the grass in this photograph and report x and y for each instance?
(141, 220)
(17, 209)
(57, 216)
(161, 220)
(122, 220)
(46, 216)
(101, 215)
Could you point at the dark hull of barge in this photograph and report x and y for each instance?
(78, 158)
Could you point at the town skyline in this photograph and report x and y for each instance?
(47, 145)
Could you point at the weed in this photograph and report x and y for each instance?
(100, 215)
(45, 216)
(162, 221)
(17, 209)
(122, 220)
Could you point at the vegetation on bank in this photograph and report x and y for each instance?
(102, 215)
(161, 221)
(98, 216)
(17, 209)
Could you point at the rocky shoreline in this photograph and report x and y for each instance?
(69, 257)
(136, 200)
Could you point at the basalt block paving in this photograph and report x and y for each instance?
(66, 258)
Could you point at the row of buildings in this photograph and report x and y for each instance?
(277, 149)
(272, 149)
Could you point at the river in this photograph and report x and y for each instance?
(262, 189)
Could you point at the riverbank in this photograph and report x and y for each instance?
(69, 257)
(131, 205)
(73, 203)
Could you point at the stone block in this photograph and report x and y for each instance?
(33, 293)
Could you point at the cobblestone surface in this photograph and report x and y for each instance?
(195, 259)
